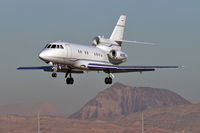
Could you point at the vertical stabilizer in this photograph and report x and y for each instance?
(118, 31)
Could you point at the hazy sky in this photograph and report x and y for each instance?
(26, 26)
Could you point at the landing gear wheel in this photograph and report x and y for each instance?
(110, 80)
(54, 75)
(67, 80)
(106, 80)
(70, 81)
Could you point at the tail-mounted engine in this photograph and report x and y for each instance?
(100, 40)
(117, 57)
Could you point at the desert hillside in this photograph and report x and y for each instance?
(121, 99)
(114, 110)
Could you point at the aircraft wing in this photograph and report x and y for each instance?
(50, 69)
(123, 69)
(35, 68)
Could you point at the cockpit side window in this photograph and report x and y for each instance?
(57, 46)
(49, 46)
(61, 47)
(53, 46)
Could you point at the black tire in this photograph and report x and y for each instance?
(110, 80)
(68, 80)
(106, 80)
(54, 75)
(71, 81)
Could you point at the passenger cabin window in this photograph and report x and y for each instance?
(98, 55)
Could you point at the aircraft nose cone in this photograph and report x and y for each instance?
(43, 55)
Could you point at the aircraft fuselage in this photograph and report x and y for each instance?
(77, 56)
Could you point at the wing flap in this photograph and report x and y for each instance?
(123, 69)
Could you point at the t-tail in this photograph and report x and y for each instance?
(118, 31)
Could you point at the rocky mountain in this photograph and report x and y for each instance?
(121, 99)
(29, 109)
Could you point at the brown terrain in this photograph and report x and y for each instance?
(117, 110)
(19, 124)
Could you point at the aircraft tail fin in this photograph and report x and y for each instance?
(118, 31)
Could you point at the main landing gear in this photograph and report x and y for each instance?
(69, 80)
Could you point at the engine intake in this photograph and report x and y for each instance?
(113, 54)
(117, 57)
(98, 39)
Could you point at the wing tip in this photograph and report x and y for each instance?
(180, 67)
(18, 68)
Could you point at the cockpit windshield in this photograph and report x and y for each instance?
(54, 46)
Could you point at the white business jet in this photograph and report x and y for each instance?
(103, 55)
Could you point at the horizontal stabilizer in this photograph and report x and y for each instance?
(135, 42)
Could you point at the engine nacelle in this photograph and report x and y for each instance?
(117, 57)
(97, 40)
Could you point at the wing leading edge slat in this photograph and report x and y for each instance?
(50, 69)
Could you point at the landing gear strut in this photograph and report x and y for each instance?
(54, 74)
(69, 80)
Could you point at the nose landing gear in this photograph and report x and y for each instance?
(54, 74)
